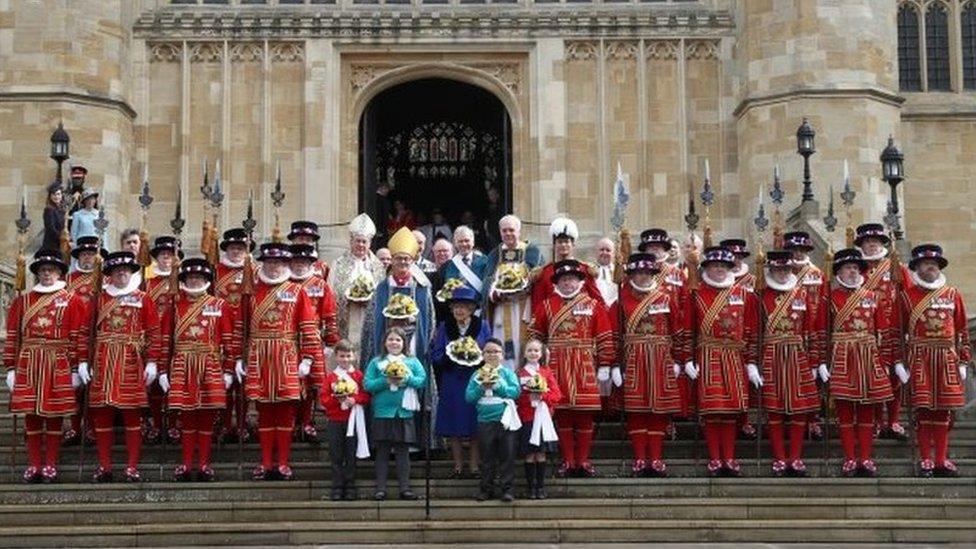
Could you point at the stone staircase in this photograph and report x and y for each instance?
(687, 507)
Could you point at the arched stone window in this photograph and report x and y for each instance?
(909, 64)
(937, 46)
(968, 20)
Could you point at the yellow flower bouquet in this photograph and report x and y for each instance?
(400, 307)
(344, 388)
(487, 374)
(361, 290)
(447, 290)
(397, 369)
(537, 384)
(512, 278)
(464, 351)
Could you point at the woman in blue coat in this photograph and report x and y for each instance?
(457, 419)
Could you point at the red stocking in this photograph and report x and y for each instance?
(637, 431)
(798, 426)
(584, 436)
(865, 430)
(52, 445)
(205, 422)
(845, 421)
(940, 428)
(189, 438)
(103, 417)
(33, 432)
(133, 436)
(729, 432)
(284, 420)
(713, 437)
(776, 437)
(266, 432)
(655, 435)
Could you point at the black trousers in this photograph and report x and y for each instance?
(497, 447)
(402, 454)
(342, 455)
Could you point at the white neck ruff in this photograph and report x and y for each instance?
(856, 285)
(741, 271)
(571, 295)
(720, 284)
(876, 257)
(132, 286)
(195, 292)
(298, 278)
(784, 287)
(226, 262)
(274, 281)
(801, 262)
(936, 284)
(643, 289)
(158, 272)
(56, 287)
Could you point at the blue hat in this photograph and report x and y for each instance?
(464, 293)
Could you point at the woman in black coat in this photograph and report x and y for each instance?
(53, 217)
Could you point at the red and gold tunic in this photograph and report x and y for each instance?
(321, 269)
(127, 337)
(200, 346)
(792, 345)
(655, 339)
(325, 307)
(283, 331)
(938, 342)
(47, 334)
(580, 340)
(228, 286)
(815, 281)
(158, 290)
(675, 281)
(878, 280)
(82, 285)
(728, 324)
(747, 281)
(857, 373)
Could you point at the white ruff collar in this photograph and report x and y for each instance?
(196, 292)
(784, 287)
(80, 270)
(226, 262)
(159, 273)
(720, 284)
(741, 271)
(56, 287)
(274, 281)
(856, 285)
(643, 289)
(299, 278)
(936, 284)
(571, 295)
(801, 262)
(132, 286)
(876, 257)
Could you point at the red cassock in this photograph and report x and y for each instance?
(580, 339)
(283, 331)
(728, 323)
(127, 337)
(938, 342)
(199, 346)
(857, 373)
(325, 307)
(81, 284)
(47, 334)
(792, 346)
(655, 339)
(543, 287)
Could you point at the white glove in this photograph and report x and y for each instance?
(963, 372)
(754, 376)
(677, 369)
(824, 373)
(616, 376)
(901, 372)
(149, 374)
(691, 370)
(239, 370)
(164, 382)
(228, 381)
(603, 374)
(75, 380)
(304, 367)
(11, 378)
(83, 374)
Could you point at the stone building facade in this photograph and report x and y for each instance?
(657, 87)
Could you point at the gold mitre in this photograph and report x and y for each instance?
(403, 242)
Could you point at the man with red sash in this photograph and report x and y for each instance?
(674, 280)
(47, 338)
(164, 252)
(811, 277)
(200, 349)
(575, 326)
(81, 283)
(938, 355)
(127, 348)
(858, 380)
(303, 259)
(747, 281)
(792, 347)
(654, 345)
(873, 241)
(307, 232)
(284, 347)
(228, 283)
(727, 327)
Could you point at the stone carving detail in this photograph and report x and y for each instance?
(165, 52)
(621, 51)
(362, 75)
(702, 49)
(508, 73)
(247, 52)
(288, 52)
(206, 52)
(581, 51)
(661, 49)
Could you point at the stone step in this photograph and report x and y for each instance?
(441, 469)
(691, 489)
(180, 513)
(551, 531)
